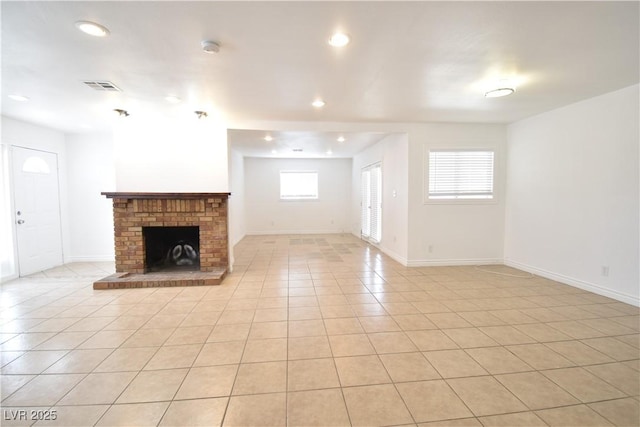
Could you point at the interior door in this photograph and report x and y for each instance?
(37, 210)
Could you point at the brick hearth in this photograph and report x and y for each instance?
(133, 211)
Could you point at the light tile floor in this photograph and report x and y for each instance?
(318, 330)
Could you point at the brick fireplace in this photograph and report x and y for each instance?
(145, 262)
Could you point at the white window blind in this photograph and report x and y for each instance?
(365, 203)
(460, 174)
(298, 185)
(372, 203)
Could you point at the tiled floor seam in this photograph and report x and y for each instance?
(397, 391)
(333, 359)
(226, 409)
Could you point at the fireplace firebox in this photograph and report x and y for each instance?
(171, 248)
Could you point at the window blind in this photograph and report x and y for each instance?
(460, 174)
(371, 203)
(376, 204)
(365, 204)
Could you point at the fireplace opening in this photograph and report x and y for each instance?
(171, 248)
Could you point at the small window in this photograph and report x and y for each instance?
(298, 185)
(460, 175)
(36, 165)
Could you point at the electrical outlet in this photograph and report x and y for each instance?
(605, 270)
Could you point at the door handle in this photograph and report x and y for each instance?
(20, 221)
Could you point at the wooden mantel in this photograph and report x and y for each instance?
(173, 196)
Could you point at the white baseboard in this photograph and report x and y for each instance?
(452, 262)
(89, 258)
(388, 252)
(233, 244)
(433, 262)
(289, 232)
(581, 284)
(394, 255)
(5, 279)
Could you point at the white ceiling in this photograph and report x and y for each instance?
(407, 62)
(313, 144)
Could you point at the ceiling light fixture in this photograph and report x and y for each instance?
(329, 152)
(92, 28)
(268, 138)
(121, 113)
(318, 103)
(339, 40)
(209, 46)
(19, 98)
(497, 93)
(274, 152)
(201, 114)
(341, 138)
(172, 99)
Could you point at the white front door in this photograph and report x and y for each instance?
(37, 210)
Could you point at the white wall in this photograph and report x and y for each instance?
(19, 133)
(90, 170)
(455, 233)
(392, 153)
(237, 226)
(572, 194)
(265, 213)
(171, 156)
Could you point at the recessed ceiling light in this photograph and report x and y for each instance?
(274, 151)
(92, 28)
(318, 103)
(339, 40)
(329, 152)
(19, 98)
(172, 99)
(497, 93)
(341, 138)
(268, 138)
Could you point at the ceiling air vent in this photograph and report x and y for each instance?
(297, 150)
(102, 85)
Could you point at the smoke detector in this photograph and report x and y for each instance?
(210, 46)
